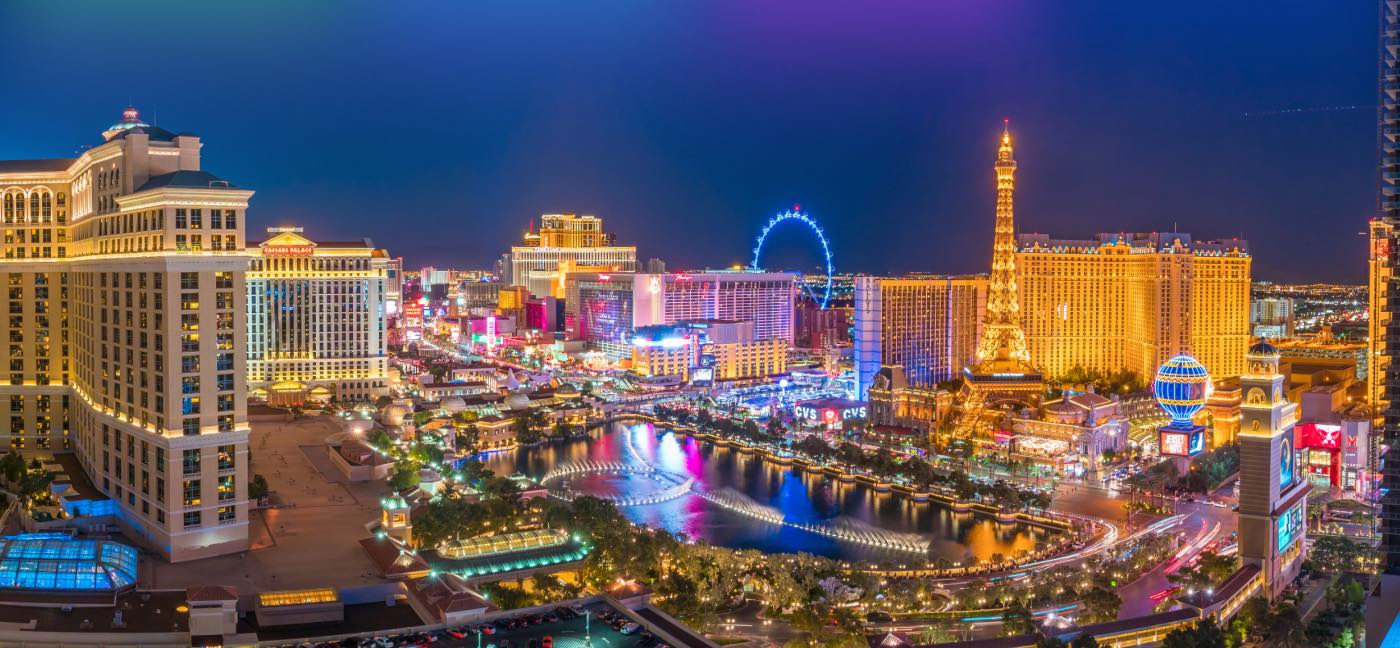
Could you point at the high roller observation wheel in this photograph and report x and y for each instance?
(795, 214)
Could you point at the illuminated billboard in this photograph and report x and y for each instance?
(1181, 443)
(1290, 526)
(831, 411)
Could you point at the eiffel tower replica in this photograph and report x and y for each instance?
(1002, 373)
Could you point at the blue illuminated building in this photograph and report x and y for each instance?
(58, 562)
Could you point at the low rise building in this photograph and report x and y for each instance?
(1071, 433)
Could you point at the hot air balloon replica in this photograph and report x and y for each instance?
(1181, 388)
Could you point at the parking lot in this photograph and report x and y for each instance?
(563, 633)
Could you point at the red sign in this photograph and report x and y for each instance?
(1174, 444)
(1313, 435)
(289, 250)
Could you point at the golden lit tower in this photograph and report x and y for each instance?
(1002, 375)
(1002, 337)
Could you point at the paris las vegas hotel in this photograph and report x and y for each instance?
(124, 292)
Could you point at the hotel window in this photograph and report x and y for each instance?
(227, 514)
(180, 219)
(227, 490)
(191, 461)
(230, 219)
(192, 519)
(190, 427)
(160, 489)
(196, 218)
(226, 457)
(191, 492)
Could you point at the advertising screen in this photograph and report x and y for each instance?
(1290, 527)
(702, 376)
(1174, 444)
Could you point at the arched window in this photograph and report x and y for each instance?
(46, 208)
(9, 208)
(33, 206)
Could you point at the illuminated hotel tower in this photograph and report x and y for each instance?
(1388, 117)
(1273, 494)
(1002, 373)
(124, 291)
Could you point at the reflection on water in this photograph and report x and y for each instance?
(801, 497)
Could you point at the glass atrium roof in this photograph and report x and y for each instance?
(57, 561)
(499, 544)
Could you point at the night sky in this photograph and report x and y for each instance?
(440, 130)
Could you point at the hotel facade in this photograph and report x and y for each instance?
(929, 326)
(124, 276)
(316, 320)
(1133, 301)
(603, 309)
(565, 243)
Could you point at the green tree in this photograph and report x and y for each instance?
(1016, 620)
(1286, 629)
(12, 465)
(405, 476)
(257, 487)
(1101, 605)
(468, 437)
(1255, 615)
(1204, 634)
(379, 438)
(525, 434)
(1084, 641)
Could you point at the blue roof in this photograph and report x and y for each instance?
(57, 561)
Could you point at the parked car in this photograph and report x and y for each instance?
(630, 628)
(547, 642)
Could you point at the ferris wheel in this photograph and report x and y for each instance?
(796, 214)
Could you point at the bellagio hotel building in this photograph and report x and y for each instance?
(124, 293)
(1133, 301)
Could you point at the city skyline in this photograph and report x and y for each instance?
(573, 120)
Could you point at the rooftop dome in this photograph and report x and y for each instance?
(453, 404)
(1262, 347)
(131, 118)
(394, 415)
(518, 401)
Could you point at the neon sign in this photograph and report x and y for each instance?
(829, 415)
(288, 250)
(1290, 527)
(1285, 467)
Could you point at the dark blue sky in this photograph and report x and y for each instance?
(440, 129)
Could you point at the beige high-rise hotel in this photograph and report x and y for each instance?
(1133, 301)
(124, 298)
(316, 320)
(566, 243)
